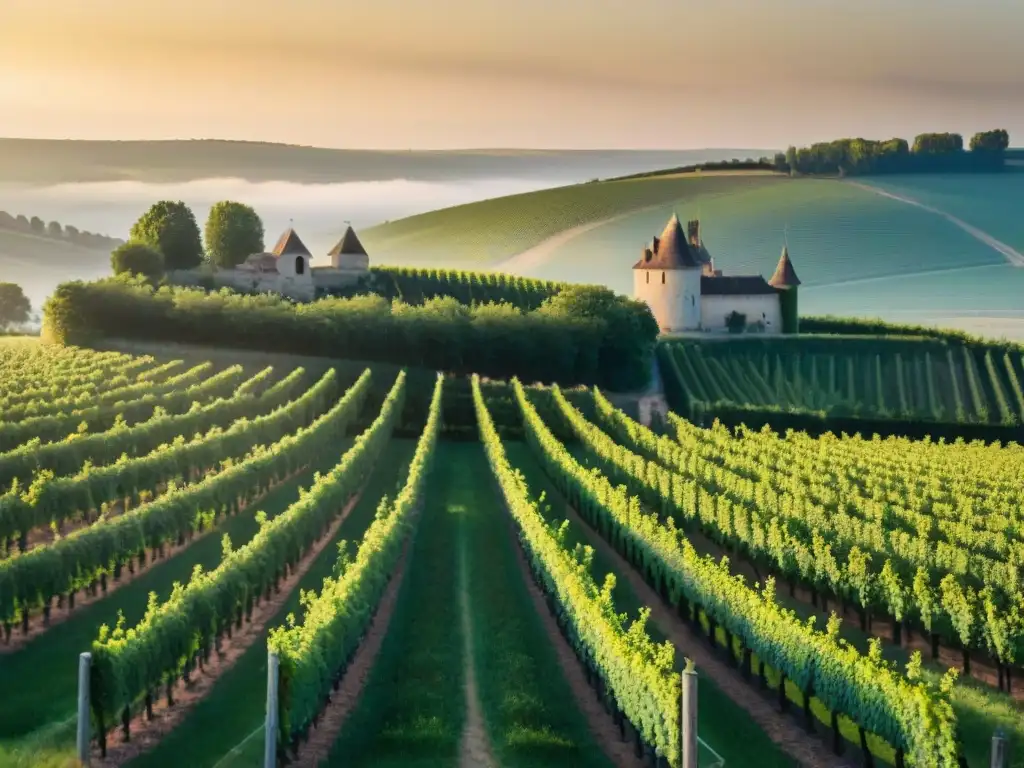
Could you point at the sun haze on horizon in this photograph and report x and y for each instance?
(443, 74)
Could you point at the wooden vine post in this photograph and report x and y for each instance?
(270, 725)
(82, 738)
(999, 756)
(688, 728)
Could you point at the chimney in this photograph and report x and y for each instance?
(654, 245)
(693, 232)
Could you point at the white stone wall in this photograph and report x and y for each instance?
(760, 308)
(357, 262)
(673, 296)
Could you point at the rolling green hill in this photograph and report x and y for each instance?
(949, 253)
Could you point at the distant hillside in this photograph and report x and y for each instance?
(52, 162)
(38, 263)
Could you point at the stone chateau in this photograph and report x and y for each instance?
(677, 278)
(286, 269)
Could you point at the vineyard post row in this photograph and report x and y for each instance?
(915, 718)
(309, 660)
(633, 677)
(179, 635)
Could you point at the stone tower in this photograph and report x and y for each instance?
(785, 282)
(667, 278)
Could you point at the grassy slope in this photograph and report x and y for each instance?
(480, 235)
(237, 702)
(50, 162)
(722, 724)
(50, 698)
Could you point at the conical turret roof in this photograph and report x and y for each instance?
(785, 275)
(349, 244)
(671, 250)
(289, 244)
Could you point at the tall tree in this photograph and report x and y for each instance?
(14, 305)
(137, 259)
(37, 225)
(233, 232)
(170, 228)
(54, 229)
(990, 141)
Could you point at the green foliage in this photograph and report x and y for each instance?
(170, 228)
(137, 259)
(639, 673)
(990, 141)
(233, 232)
(931, 152)
(77, 475)
(169, 639)
(14, 305)
(587, 335)
(889, 384)
(33, 578)
(911, 716)
(736, 322)
(315, 653)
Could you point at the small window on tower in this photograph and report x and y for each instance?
(693, 301)
(662, 278)
(648, 278)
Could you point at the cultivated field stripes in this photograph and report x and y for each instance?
(814, 524)
(39, 366)
(173, 637)
(875, 380)
(97, 379)
(417, 285)
(156, 385)
(54, 499)
(68, 454)
(917, 720)
(639, 674)
(316, 653)
(88, 556)
(100, 418)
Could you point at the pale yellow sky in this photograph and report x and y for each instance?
(528, 73)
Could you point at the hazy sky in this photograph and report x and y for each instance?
(517, 73)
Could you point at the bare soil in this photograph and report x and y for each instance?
(145, 734)
(602, 726)
(38, 627)
(345, 700)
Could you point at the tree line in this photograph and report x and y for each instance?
(581, 335)
(53, 229)
(930, 152)
(166, 237)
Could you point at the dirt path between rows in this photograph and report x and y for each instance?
(802, 747)
(83, 599)
(146, 734)
(344, 701)
(539, 254)
(1012, 255)
(602, 725)
(475, 746)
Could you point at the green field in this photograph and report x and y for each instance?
(920, 380)
(468, 663)
(858, 253)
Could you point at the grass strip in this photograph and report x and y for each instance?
(527, 702)
(412, 710)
